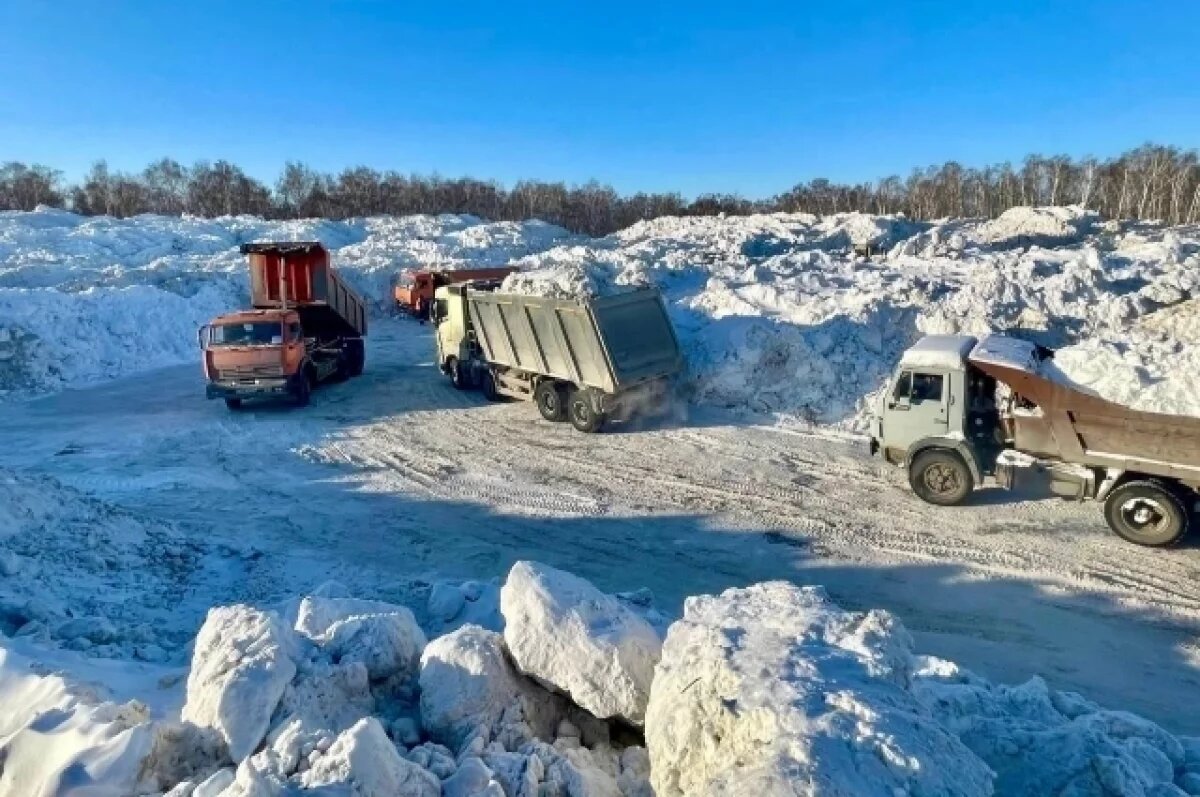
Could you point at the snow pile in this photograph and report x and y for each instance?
(774, 690)
(767, 690)
(69, 564)
(788, 313)
(1040, 741)
(1044, 226)
(566, 634)
(84, 298)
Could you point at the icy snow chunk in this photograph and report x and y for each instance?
(567, 634)
(1043, 743)
(215, 784)
(242, 663)
(318, 613)
(366, 759)
(446, 600)
(470, 689)
(386, 644)
(764, 688)
(472, 779)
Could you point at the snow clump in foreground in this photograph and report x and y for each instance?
(568, 635)
(767, 690)
(774, 690)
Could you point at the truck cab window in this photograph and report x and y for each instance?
(440, 309)
(295, 333)
(903, 386)
(927, 387)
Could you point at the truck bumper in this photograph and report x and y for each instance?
(248, 389)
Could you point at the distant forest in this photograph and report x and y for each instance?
(1150, 182)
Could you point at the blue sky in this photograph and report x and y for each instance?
(741, 96)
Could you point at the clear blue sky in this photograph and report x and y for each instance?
(741, 95)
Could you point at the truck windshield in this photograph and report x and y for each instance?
(252, 334)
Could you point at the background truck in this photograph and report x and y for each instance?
(942, 418)
(582, 361)
(306, 327)
(414, 289)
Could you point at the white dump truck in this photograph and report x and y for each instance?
(943, 418)
(583, 361)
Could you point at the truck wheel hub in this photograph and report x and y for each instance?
(1142, 511)
(941, 478)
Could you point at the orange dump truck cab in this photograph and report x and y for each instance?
(306, 326)
(414, 289)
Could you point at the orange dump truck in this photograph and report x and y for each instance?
(305, 326)
(414, 289)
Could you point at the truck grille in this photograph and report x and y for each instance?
(250, 372)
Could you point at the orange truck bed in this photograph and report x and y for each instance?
(327, 305)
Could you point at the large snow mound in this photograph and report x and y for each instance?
(570, 636)
(788, 313)
(767, 690)
(774, 690)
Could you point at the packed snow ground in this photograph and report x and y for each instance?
(128, 508)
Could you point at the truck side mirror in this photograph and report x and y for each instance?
(202, 336)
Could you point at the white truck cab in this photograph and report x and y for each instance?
(937, 417)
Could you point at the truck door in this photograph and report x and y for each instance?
(917, 407)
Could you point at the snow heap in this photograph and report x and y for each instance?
(767, 690)
(790, 313)
(565, 633)
(774, 690)
(68, 562)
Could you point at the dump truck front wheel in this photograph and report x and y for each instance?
(582, 411)
(303, 391)
(551, 400)
(1146, 513)
(233, 403)
(941, 478)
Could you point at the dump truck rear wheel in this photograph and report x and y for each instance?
(1147, 513)
(941, 478)
(551, 401)
(459, 376)
(233, 403)
(582, 413)
(487, 384)
(356, 357)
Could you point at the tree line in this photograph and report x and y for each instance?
(1150, 182)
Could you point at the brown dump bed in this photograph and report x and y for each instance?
(327, 305)
(1065, 423)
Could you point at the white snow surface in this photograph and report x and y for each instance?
(243, 661)
(770, 689)
(570, 636)
(776, 313)
(775, 690)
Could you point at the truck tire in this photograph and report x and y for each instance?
(487, 385)
(460, 377)
(1147, 513)
(233, 403)
(551, 400)
(582, 413)
(356, 357)
(940, 477)
(303, 392)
